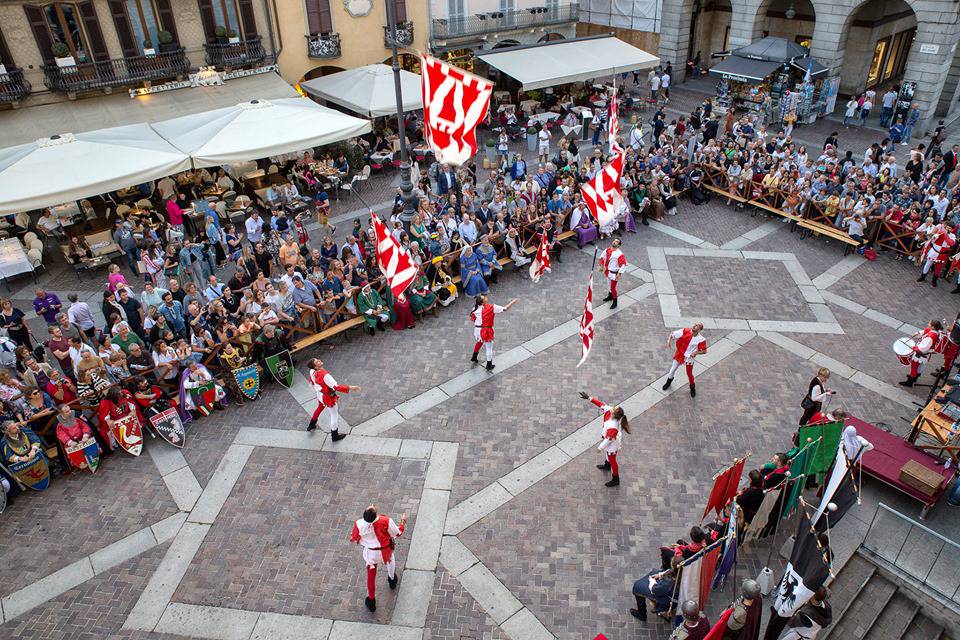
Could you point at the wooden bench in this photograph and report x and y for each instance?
(831, 232)
(336, 329)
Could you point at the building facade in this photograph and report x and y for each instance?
(53, 51)
(325, 36)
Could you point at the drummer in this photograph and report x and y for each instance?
(921, 351)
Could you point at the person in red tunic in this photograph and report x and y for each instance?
(404, 314)
(612, 264)
(117, 404)
(377, 535)
(71, 428)
(689, 344)
(327, 389)
(922, 350)
(482, 317)
(611, 434)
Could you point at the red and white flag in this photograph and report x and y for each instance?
(541, 262)
(586, 324)
(613, 126)
(394, 261)
(454, 102)
(602, 193)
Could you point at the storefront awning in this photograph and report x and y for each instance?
(816, 69)
(70, 166)
(258, 129)
(20, 126)
(367, 90)
(744, 69)
(562, 61)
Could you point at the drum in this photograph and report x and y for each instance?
(903, 348)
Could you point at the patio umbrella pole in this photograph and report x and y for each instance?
(406, 187)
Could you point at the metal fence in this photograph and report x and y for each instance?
(90, 76)
(495, 21)
(917, 551)
(13, 86)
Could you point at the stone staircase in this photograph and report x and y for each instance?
(867, 605)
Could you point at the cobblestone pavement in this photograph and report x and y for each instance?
(543, 542)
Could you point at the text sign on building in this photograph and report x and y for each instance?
(932, 49)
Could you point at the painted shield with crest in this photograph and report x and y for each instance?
(128, 433)
(85, 455)
(169, 426)
(35, 473)
(248, 381)
(280, 366)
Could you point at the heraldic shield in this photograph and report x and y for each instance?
(169, 426)
(35, 473)
(248, 381)
(127, 432)
(280, 366)
(85, 455)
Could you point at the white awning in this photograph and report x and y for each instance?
(258, 129)
(74, 166)
(20, 126)
(367, 90)
(562, 61)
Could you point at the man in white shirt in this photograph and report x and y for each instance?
(886, 107)
(636, 136)
(167, 187)
(655, 87)
(254, 226)
(224, 181)
(665, 86)
(48, 222)
(79, 313)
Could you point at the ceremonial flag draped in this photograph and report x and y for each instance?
(690, 580)
(707, 571)
(602, 192)
(805, 573)
(613, 125)
(841, 489)
(454, 102)
(799, 468)
(541, 262)
(716, 632)
(724, 488)
(586, 324)
(765, 518)
(393, 260)
(729, 550)
(822, 455)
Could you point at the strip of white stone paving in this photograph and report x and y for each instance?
(888, 391)
(500, 492)
(752, 235)
(221, 483)
(176, 474)
(838, 271)
(58, 582)
(681, 235)
(504, 361)
(872, 314)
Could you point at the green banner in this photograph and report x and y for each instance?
(825, 451)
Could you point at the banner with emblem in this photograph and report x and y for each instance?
(248, 380)
(280, 366)
(169, 426)
(35, 473)
(85, 455)
(128, 434)
(203, 396)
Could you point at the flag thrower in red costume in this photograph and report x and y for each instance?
(612, 264)
(327, 389)
(922, 350)
(689, 344)
(377, 535)
(482, 318)
(611, 434)
(936, 253)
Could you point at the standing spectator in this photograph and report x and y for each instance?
(865, 109)
(817, 393)
(11, 319)
(654, 80)
(913, 116)
(850, 112)
(123, 236)
(665, 85)
(47, 305)
(887, 104)
(254, 225)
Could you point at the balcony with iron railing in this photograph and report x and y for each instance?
(323, 45)
(497, 21)
(244, 52)
(120, 72)
(403, 33)
(13, 86)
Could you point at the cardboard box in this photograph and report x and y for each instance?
(915, 475)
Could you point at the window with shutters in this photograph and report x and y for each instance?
(226, 15)
(319, 17)
(65, 25)
(145, 22)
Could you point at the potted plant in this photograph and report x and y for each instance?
(491, 150)
(221, 34)
(532, 138)
(166, 41)
(232, 37)
(61, 54)
(148, 49)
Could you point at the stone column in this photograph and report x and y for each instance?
(830, 33)
(931, 56)
(948, 98)
(746, 21)
(675, 33)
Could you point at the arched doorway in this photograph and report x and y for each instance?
(505, 43)
(551, 37)
(879, 36)
(710, 30)
(408, 62)
(319, 72)
(789, 19)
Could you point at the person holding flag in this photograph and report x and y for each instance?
(612, 264)
(482, 317)
(689, 344)
(611, 431)
(327, 389)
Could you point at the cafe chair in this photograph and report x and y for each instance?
(349, 187)
(122, 209)
(241, 201)
(144, 203)
(273, 169)
(230, 197)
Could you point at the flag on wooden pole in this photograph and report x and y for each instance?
(586, 324)
(454, 102)
(394, 262)
(541, 262)
(602, 192)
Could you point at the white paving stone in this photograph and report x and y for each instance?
(365, 445)
(343, 630)
(443, 462)
(811, 294)
(766, 255)
(168, 528)
(415, 448)
(797, 272)
(523, 625)
(282, 438)
(46, 588)
(413, 597)
(669, 305)
(663, 282)
(888, 391)
(678, 251)
(657, 258)
(417, 405)
(729, 324)
(823, 314)
(549, 338)
(642, 292)
(789, 344)
(164, 581)
(676, 233)
(428, 530)
(489, 592)
(582, 439)
(476, 507)
(221, 484)
(166, 458)
(122, 550)
(199, 621)
(534, 470)
(455, 556)
(838, 271)
(637, 404)
(741, 337)
(846, 303)
(717, 253)
(183, 487)
(835, 366)
(379, 424)
(882, 318)
(278, 626)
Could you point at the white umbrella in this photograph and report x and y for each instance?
(258, 129)
(69, 166)
(368, 90)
